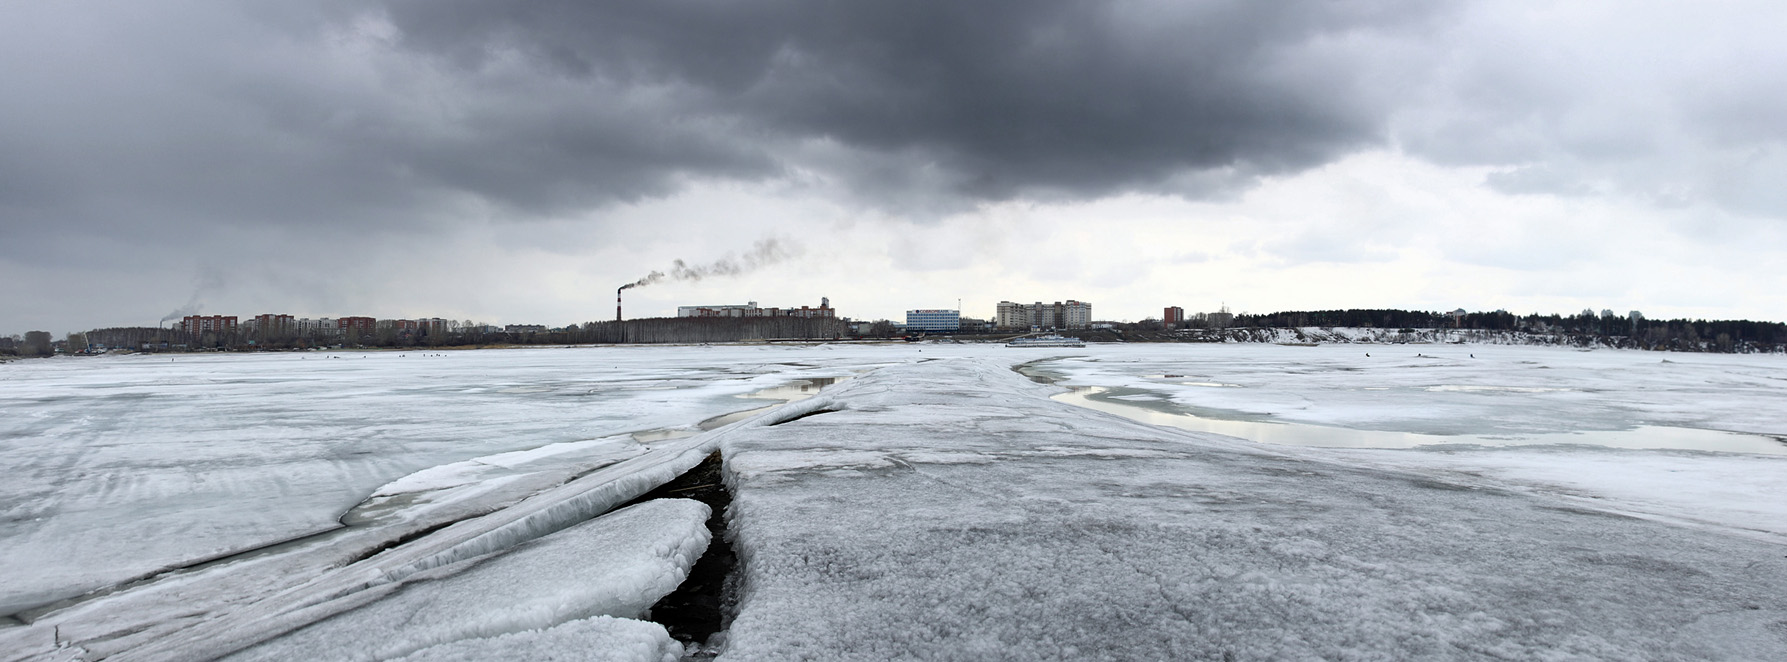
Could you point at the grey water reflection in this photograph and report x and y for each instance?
(799, 389)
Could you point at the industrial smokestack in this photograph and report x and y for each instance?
(764, 253)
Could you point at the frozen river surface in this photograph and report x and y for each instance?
(938, 505)
(119, 467)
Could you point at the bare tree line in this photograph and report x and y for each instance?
(642, 331)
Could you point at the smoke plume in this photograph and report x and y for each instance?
(191, 308)
(207, 280)
(762, 254)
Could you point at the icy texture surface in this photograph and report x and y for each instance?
(596, 639)
(939, 506)
(198, 456)
(1736, 493)
(225, 628)
(949, 510)
(1450, 389)
(615, 565)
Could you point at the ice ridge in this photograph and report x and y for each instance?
(616, 565)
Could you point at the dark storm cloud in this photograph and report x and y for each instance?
(339, 117)
(175, 120)
(1003, 97)
(396, 117)
(308, 142)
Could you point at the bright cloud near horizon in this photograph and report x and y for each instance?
(516, 162)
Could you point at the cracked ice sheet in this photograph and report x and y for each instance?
(615, 565)
(203, 455)
(229, 606)
(1205, 547)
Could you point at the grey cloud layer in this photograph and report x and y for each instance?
(237, 131)
(344, 115)
(201, 114)
(1002, 97)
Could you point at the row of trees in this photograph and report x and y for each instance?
(650, 330)
(33, 343)
(1629, 331)
(165, 339)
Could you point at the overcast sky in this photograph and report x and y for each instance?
(515, 162)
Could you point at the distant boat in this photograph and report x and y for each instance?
(1046, 341)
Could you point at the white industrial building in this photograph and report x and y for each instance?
(751, 309)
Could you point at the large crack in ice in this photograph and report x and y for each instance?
(433, 541)
(338, 590)
(702, 605)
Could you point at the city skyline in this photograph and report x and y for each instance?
(480, 161)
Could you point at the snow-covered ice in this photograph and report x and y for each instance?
(1531, 418)
(1731, 492)
(938, 505)
(595, 639)
(1449, 389)
(469, 452)
(949, 510)
(615, 565)
(201, 456)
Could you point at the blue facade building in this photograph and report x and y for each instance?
(933, 320)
